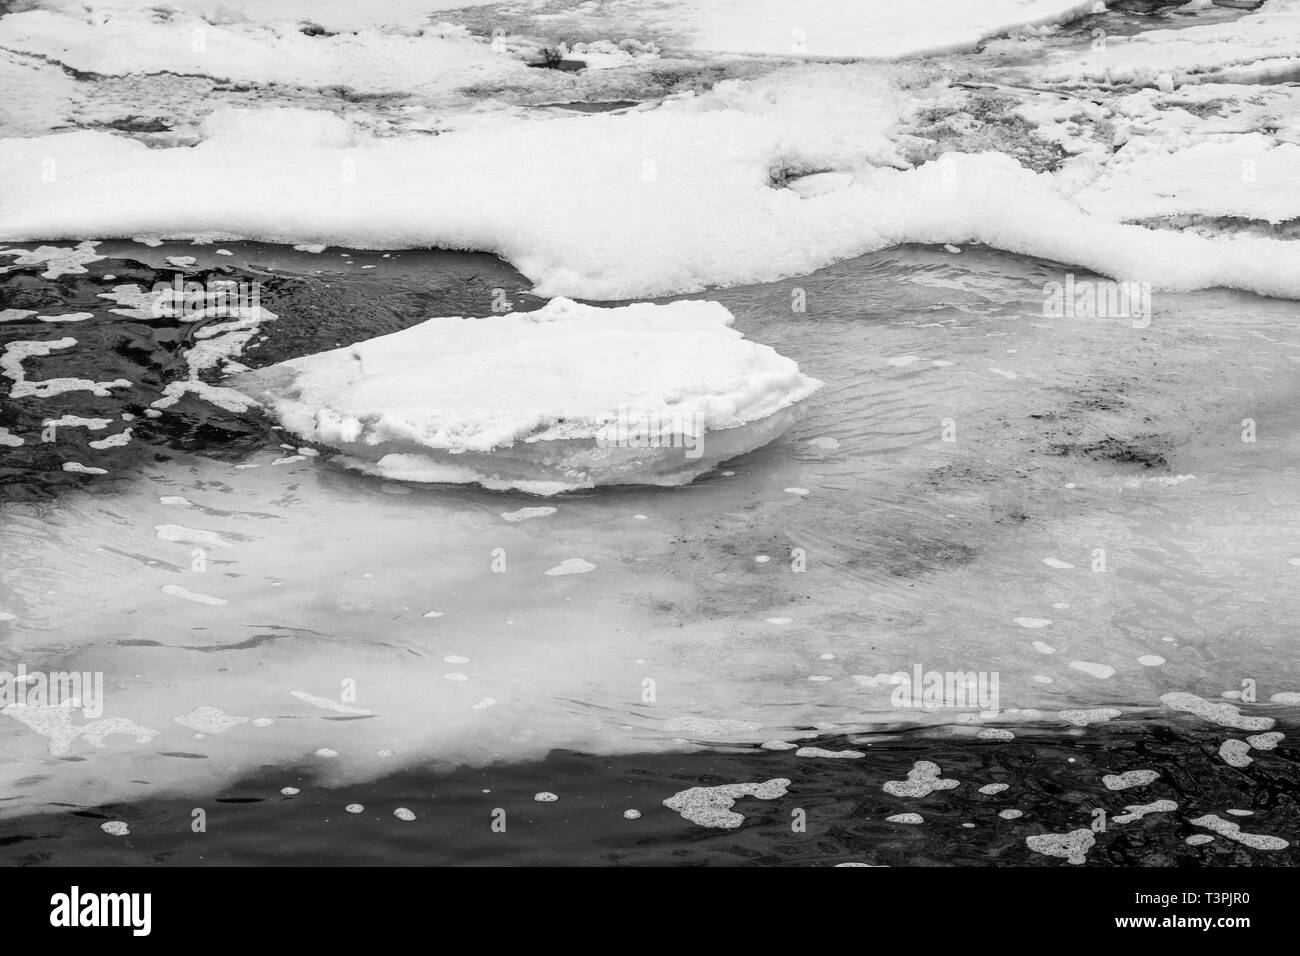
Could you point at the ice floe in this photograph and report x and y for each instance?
(711, 806)
(569, 396)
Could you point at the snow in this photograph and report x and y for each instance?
(568, 396)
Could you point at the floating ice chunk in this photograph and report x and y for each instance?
(1011, 814)
(455, 659)
(483, 703)
(524, 514)
(290, 791)
(1072, 846)
(1225, 715)
(1199, 839)
(326, 752)
(545, 797)
(61, 260)
(711, 806)
(354, 808)
(993, 788)
(9, 440)
(115, 828)
(1099, 671)
(181, 262)
(15, 315)
(834, 754)
(571, 566)
(207, 719)
(67, 317)
(778, 745)
(1151, 660)
(1130, 778)
(403, 814)
(1286, 697)
(1236, 753)
(1265, 741)
(583, 396)
(78, 468)
(1057, 563)
(995, 733)
(326, 704)
(1032, 622)
(631, 814)
(1232, 831)
(1044, 648)
(922, 780)
(176, 590)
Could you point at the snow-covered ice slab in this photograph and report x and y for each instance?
(847, 29)
(570, 396)
(1259, 48)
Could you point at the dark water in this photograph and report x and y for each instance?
(1075, 436)
(835, 811)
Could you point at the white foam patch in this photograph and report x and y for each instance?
(1137, 811)
(289, 791)
(631, 814)
(526, 514)
(1265, 741)
(911, 818)
(207, 719)
(571, 566)
(1011, 814)
(922, 780)
(1130, 778)
(1232, 831)
(1225, 715)
(1032, 622)
(1057, 563)
(354, 808)
(1072, 846)
(1199, 839)
(404, 814)
(56, 724)
(1151, 660)
(67, 317)
(990, 789)
(115, 828)
(177, 590)
(180, 534)
(1236, 753)
(11, 365)
(995, 733)
(78, 468)
(545, 797)
(61, 260)
(834, 754)
(325, 703)
(1084, 717)
(1100, 671)
(1044, 648)
(709, 728)
(778, 745)
(711, 806)
(8, 439)
(1286, 697)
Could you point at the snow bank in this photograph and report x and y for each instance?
(569, 396)
(675, 199)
